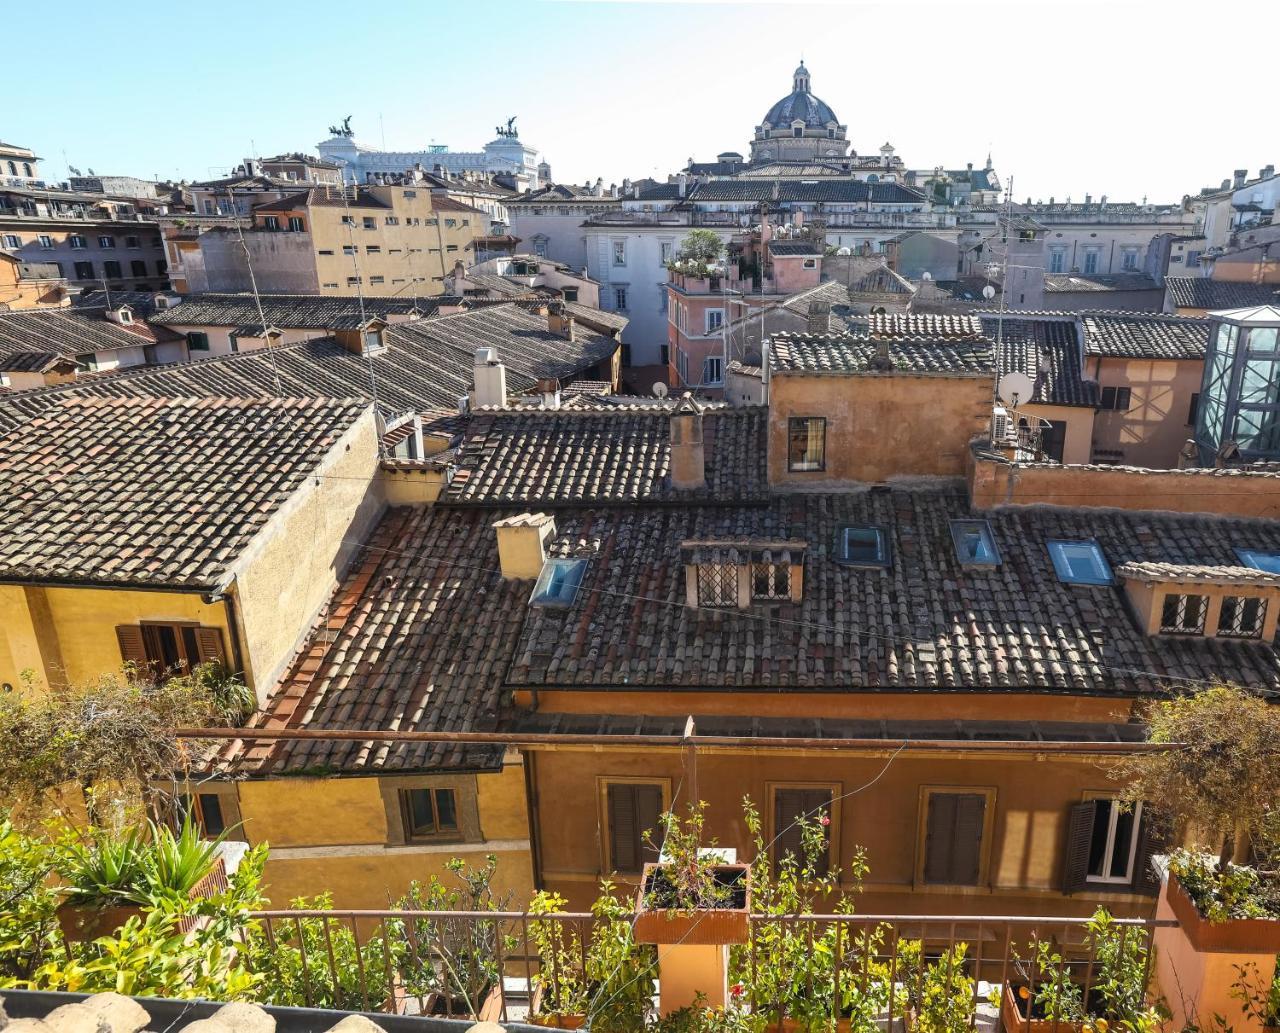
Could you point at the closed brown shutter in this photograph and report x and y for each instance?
(953, 838)
(132, 648)
(1152, 839)
(633, 810)
(790, 804)
(1075, 867)
(209, 646)
(966, 861)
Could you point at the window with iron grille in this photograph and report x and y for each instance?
(717, 584)
(1184, 614)
(1242, 616)
(771, 580)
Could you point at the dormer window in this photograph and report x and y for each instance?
(735, 574)
(1183, 614)
(1080, 562)
(975, 544)
(558, 583)
(372, 341)
(1242, 617)
(717, 583)
(865, 546)
(771, 577)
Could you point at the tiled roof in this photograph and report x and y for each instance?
(1146, 337)
(1046, 350)
(561, 192)
(73, 331)
(323, 196)
(793, 247)
(846, 354)
(925, 326)
(289, 311)
(850, 191)
(882, 280)
(425, 633)
(1196, 292)
(443, 203)
(31, 362)
(1196, 573)
(499, 286)
(605, 456)
(1101, 283)
(149, 491)
(426, 365)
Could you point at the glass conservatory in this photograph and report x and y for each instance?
(1238, 418)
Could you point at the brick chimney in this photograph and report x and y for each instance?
(522, 544)
(820, 317)
(490, 377)
(688, 458)
(560, 321)
(1240, 175)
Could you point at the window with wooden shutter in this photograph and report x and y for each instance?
(1075, 869)
(1109, 848)
(633, 809)
(955, 828)
(790, 803)
(209, 646)
(132, 649)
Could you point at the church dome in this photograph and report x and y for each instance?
(800, 105)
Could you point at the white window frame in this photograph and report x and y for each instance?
(709, 364)
(1108, 853)
(619, 252)
(666, 250)
(713, 320)
(46, 242)
(1057, 260)
(620, 297)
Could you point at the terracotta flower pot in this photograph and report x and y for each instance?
(1014, 1017)
(81, 923)
(716, 926)
(1234, 936)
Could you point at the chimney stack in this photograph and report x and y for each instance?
(820, 317)
(880, 361)
(1240, 176)
(682, 184)
(1266, 172)
(688, 459)
(522, 544)
(560, 321)
(490, 377)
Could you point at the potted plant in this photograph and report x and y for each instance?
(608, 980)
(1227, 909)
(933, 997)
(788, 974)
(1045, 999)
(692, 896)
(114, 878)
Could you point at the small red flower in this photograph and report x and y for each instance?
(824, 820)
(737, 990)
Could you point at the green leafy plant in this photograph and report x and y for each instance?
(458, 961)
(105, 869)
(700, 1018)
(939, 994)
(1057, 997)
(28, 902)
(790, 968)
(1221, 894)
(699, 251)
(1120, 972)
(690, 878)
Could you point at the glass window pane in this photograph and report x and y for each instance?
(862, 545)
(974, 542)
(446, 809)
(558, 583)
(211, 815)
(1269, 561)
(1122, 845)
(1080, 563)
(421, 818)
(1262, 340)
(1098, 841)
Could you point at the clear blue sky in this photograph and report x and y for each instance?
(1122, 97)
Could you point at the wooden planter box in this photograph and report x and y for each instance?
(1234, 936)
(1014, 1018)
(718, 926)
(82, 923)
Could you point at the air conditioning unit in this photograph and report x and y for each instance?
(1002, 425)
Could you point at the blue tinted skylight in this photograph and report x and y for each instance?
(1268, 561)
(1080, 563)
(975, 544)
(864, 546)
(558, 583)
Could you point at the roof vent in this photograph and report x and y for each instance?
(490, 379)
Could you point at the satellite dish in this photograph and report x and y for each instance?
(926, 275)
(988, 292)
(660, 390)
(1015, 388)
(844, 252)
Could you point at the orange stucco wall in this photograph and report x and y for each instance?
(879, 425)
(1155, 427)
(1180, 491)
(1023, 871)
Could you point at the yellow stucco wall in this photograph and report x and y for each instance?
(84, 623)
(331, 834)
(1077, 445)
(1154, 429)
(293, 566)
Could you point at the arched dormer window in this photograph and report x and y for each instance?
(873, 178)
(13, 169)
(26, 170)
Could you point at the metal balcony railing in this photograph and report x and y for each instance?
(828, 969)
